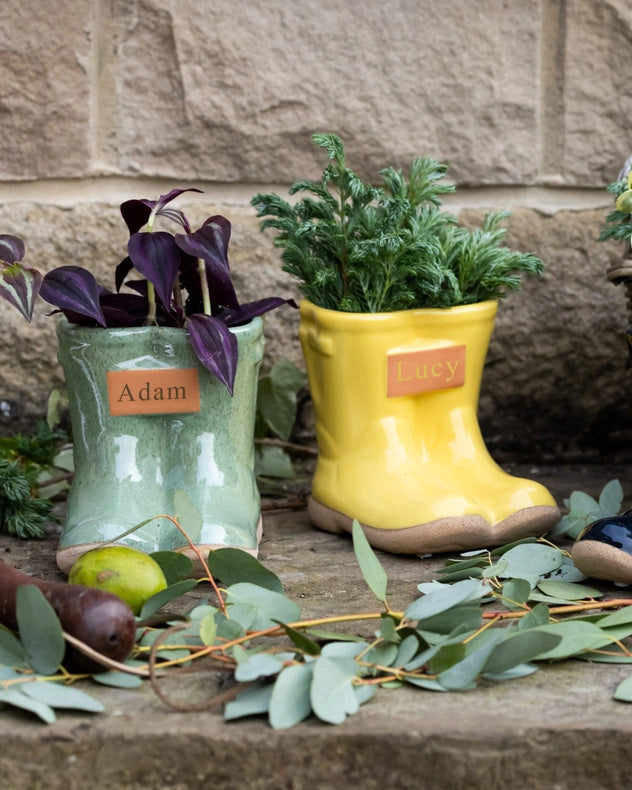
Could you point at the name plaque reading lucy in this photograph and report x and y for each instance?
(412, 372)
(161, 391)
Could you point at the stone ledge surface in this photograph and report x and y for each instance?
(558, 728)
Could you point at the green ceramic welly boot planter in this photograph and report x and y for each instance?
(162, 383)
(149, 420)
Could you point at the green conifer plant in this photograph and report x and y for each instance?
(359, 248)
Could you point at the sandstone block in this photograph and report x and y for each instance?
(597, 98)
(45, 77)
(235, 94)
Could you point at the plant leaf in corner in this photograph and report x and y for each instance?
(40, 630)
(374, 574)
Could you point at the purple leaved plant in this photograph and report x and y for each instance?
(180, 280)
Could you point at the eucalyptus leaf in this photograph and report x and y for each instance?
(569, 591)
(576, 637)
(459, 565)
(462, 674)
(290, 699)
(208, 629)
(40, 630)
(519, 671)
(540, 597)
(382, 655)
(500, 550)
(467, 616)
(252, 701)
(373, 573)
(232, 566)
(613, 655)
(344, 649)
(446, 656)
(425, 683)
(620, 617)
(520, 648)
(261, 665)
(447, 597)
(567, 572)
(59, 696)
(331, 694)
(364, 692)
(530, 561)
(539, 615)
(623, 692)
(188, 516)
(611, 498)
(466, 573)
(19, 700)
(388, 630)
(12, 652)
(164, 650)
(119, 680)
(408, 649)
(257, 608)
(515, 594)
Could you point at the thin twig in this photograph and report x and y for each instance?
(213, 702)
(296, 448)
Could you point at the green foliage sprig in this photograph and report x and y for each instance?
(491, 615)
(359, 248)
(23, 459)
(618, 225)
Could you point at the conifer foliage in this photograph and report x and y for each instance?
(361, 248)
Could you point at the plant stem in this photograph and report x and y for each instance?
(198, 554)
(150, 320)
(206, 297)
(567, 609)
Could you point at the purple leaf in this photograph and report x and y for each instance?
(11, 248)
(203, 243)
(136, 213)
(215, 346)
(19, 285)
(220, 228)
(122, 270)
(75, 289)
(164, 199)
(246, 312)
(157, 257)
(124, 309)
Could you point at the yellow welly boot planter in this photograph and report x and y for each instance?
(395, 398)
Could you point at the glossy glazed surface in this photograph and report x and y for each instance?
(615, 531)
(394, 462)
(128, 468)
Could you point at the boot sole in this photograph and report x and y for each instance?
(67, 557)
(457, 533)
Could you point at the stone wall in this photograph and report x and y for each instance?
(528, 101)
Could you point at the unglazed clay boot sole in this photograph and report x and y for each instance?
(600, 561)
(456, 533)
(198, 569)
(67, 557)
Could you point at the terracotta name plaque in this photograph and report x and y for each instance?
(428, 369)
(161, 391)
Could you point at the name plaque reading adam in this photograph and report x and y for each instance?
(412, 372)
(161, 391)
